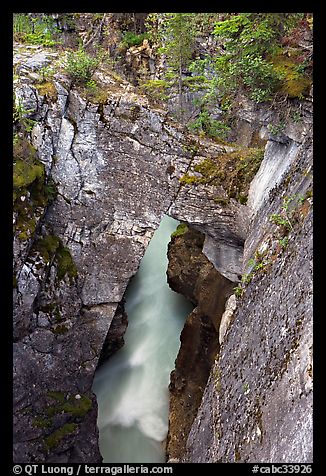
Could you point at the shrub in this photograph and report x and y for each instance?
(132, 39)
(156, 88)
(80, 66)
(20, 118)
(251, 40)
(211, 127)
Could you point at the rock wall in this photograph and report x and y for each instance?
(257, 405)
(116, 164)
(193, 275)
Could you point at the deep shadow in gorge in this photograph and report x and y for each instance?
(193, 275)
(132, 386)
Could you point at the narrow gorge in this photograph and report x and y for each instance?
(132, 387)
(162, 250)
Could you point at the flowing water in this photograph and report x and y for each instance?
(132, 386)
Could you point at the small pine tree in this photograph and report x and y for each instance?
(178, 38)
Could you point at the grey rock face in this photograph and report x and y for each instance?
(116, 166)
(224, 226)
(257, 405)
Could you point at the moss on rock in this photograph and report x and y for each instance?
(31, 193)
(231, 170)
(42, 422)
(48, 89)
(65, 264)
(294, 83)
(76, 407)
(25, 173)
(53, 440)
(181, 229)
(51, 249)
(47, 247)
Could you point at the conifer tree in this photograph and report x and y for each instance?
(178, 38)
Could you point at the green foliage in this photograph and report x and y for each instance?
(280, 220)
(238, 291)
(250, 39)
(284, 242)
(20, 118)
(157, 89)
(21, 24)
(246, 388)
(94, 92)
(296, 116)
(211, 127)
(276, 129)
(129, 38)
(287, 215)
(34, 31)
(80, 66)
(177, 38)
(241, 288)
(181, 230)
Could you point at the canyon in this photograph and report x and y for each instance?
(241, 390)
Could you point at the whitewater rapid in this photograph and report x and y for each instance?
(132, 386)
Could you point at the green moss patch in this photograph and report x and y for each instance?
(42, 422)
(47, 247)
(94, 92)
(53, 440)
(48, 89)
(65, 264)
(294, 83)
(181, 230)
(25, 173)
(231, 170)
(69, 404)
(30, 190)
(51, 249)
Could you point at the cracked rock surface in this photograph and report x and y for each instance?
(257, 405)
(116, 166)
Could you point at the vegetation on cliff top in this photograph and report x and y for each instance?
(35, 30)
(231, 170)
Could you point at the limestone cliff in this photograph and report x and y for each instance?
(257, 405)
(113, 168)
(94, 173)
